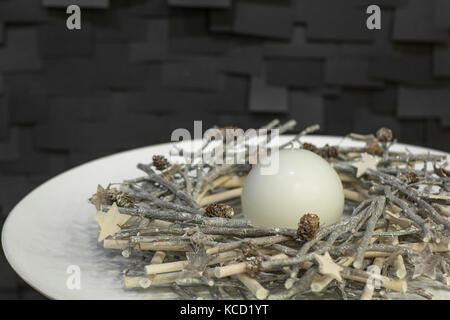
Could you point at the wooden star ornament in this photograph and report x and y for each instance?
(110, 223)
(328, 267)
(367, 162)
(101, 197)
(198, 260)
(425, 263)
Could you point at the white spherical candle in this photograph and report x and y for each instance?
(303, 183)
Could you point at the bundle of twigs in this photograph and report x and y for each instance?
(183, 223)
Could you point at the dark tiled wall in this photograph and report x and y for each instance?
(139, 69)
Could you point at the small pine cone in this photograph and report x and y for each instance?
(125, 200)
(329, 152)
(311, 147)
(219, 210)
(112, 194)
(374, 148)
(308, 227)
(409, 177)
(384, 135)
(249, 249)
(122, 199)
(253, 266)
(160, 162)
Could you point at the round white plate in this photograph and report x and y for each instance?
(53, 228)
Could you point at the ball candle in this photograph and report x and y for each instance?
(303, 183)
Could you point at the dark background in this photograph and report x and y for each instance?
(139, 69)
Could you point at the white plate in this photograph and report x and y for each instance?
(53, 228)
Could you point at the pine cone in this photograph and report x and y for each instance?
(409, 177)
(160, 162)
(219, 210)
(112, 194)
(253, 266)
(249, 249)
(374, 148)
(308, 227)
(122, 199)
(384, 135)
(329, 152)
(311, 147)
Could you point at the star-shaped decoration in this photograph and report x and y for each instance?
(367, 162)
(110, 223)
(425, 263)
(198, 260)
(101, 197)
(328, 267)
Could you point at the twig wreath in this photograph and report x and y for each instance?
(181, 225)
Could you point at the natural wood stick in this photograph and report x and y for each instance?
(354, 195)
(445, 279)
(322, 282)
(200, 219)
(160, 223)
(180, 265)
(229, 270)
(444, 210)
(254, 286)
(385, 282)
(435, 247)
(399, 264)
(261, 241)
(173, 276)
(410, 193)
(394, 233)
(155, 201)
(375, 250)
(289, 283)
(345, 178)
(157, 259)
(377, 209)
(237, 268)
(291, 124)
(235, 182)
(400, 221)
(369, 288)
(167, 184)
(148, 246)
(221, 231)
(400, 269)
(417, 246)
(411, 212)
(211, 186)
(272, 124)
(136, 282)
(222, 196)
(303, 284)
(361, 190)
